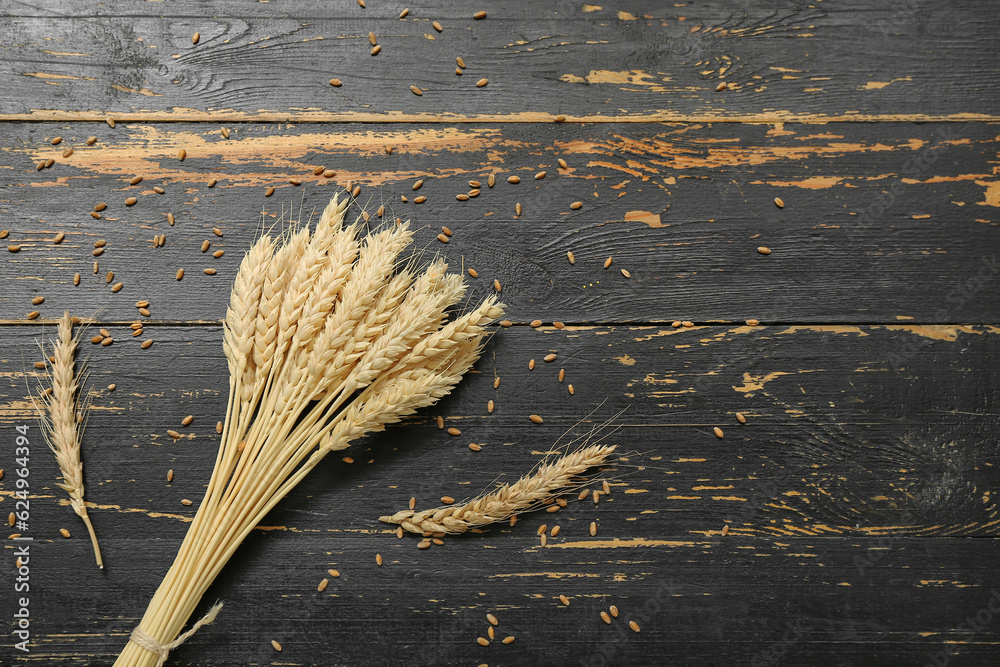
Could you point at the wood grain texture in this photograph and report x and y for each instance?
(860, 496)
(918, 60)
(875, 217)
(849, 468)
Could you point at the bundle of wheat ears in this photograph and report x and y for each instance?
(328, 336)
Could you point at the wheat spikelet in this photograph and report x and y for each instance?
(320, 338)
(527, 493)
(63, 419)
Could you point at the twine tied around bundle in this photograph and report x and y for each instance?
(146, 641)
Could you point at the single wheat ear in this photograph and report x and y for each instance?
(63, 419)
(524, 495)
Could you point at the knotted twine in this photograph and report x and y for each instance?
(146, 641)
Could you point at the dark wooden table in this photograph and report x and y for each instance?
(861, 494)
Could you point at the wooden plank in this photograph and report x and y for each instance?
(792, 60)
(867, 454)
(851, 430)
(876, 218)
(710, 602)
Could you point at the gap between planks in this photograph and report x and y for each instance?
(524, 117)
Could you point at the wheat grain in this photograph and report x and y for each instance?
(58, 412)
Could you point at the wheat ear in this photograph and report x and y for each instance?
(63, 420)
(524, 495)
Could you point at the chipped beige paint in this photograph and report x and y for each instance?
(625, 360)
(757, 382)
(811, 183)
(151, 513)
(17, 410)
(139, 91)
(991, 197)
(879, 85)
(645, 217)
(632, 77)
(672, 150)
(591, 8)
(317, 116)
(616, 543)
(824, 328)
(547, 575)
(992, 194)
(46, 75)
(151, 151)
(652, 379)
(661, 332)
(948, 332)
